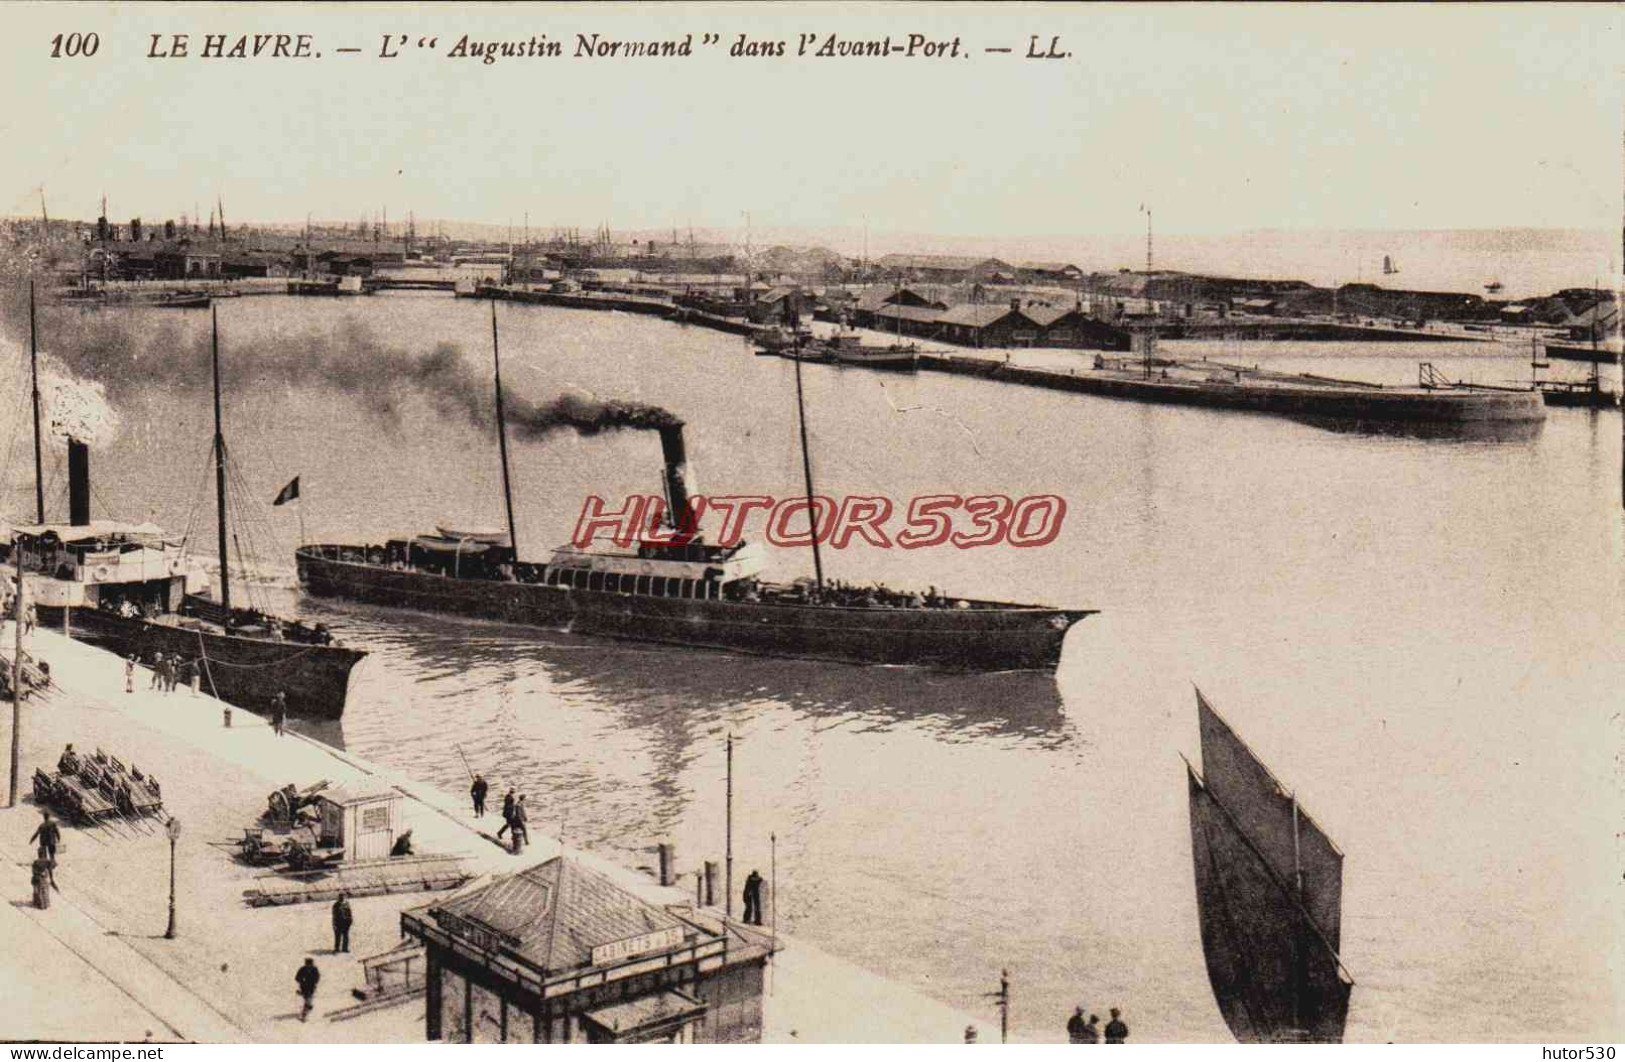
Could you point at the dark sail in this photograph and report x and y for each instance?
(1268, 891)
(1266, 811)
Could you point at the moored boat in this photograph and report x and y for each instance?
(129, 589)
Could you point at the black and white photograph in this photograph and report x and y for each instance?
(812, 523)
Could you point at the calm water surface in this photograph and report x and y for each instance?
(1420, 635)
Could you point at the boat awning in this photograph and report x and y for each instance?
(94, 529)
(647, 1017)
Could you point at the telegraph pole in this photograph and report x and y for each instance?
(727, 906)
(17, 683)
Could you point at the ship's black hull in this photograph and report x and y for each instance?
(976, 639)
(246, 672)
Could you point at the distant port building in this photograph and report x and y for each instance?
(559, 953)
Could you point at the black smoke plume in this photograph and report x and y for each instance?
(132, 353)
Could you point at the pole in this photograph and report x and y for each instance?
(17, 684)
(806, 471)
(1004, 1006)
(728, 850)
(773, 898)
(220, 469)
(33, 360)
(502, 436)
(169, 931)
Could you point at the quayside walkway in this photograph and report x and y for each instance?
(96, 966)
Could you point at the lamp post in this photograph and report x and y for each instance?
(173, 828)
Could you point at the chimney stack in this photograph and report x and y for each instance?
(679, 485)
(78, 483)
(1015, 303)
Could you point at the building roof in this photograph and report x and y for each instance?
(357, 793)
(939, 261)
(1048, 267)
(878, 295)
(909, 313)
(977, 315)
(553, 914)
(1044, 316)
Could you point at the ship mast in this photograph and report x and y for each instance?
(806, 471)
(33, 361)
(220, 467)
(502, 436)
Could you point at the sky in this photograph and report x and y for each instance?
(1221, 118)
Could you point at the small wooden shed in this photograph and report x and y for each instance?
(361, 819)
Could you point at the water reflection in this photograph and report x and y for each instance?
(677, 690)
(1444, 431)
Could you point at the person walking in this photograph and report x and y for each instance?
(171, 662)
(157, 671)
(129, 674)
(342, 920)
(43, 881)
(307, 979)
(753, 899)
(507, 813)
(30, 618)
(521, 832)
(197, 676)
(478, 791)
(1116, 1031)
(279, 712)
(48, 834)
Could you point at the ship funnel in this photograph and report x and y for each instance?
(78, 483)
(679, 485)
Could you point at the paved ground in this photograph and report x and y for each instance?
(96, 965)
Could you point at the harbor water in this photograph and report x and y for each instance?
(1419, 635)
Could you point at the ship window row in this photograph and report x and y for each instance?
(616, 583)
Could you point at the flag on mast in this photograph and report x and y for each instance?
(288, 493)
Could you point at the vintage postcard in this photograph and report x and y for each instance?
(906, 523)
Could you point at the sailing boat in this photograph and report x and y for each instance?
(128, 589)
(683, 590)
(1269, 893)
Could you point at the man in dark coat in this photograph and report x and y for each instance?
(47, 835)
(478, 791)
(1077, 1030)
(753, 899)
(507, 813)
(1116, 1031)
(307, 978)
(279, 712)
(342, 919)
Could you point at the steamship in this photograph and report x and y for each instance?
(129, 589)
(682, 591)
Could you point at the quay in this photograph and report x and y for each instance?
(96, 965)
(1219, 386)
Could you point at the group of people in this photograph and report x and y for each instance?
(168, 672)
(1079, 1031)
(515, 817)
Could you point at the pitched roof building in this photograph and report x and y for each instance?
(560, 953)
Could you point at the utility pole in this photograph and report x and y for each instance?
(727, 880)
(1001, 1000)
(33, 362)
(17, 683)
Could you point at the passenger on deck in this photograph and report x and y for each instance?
(403, 845)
